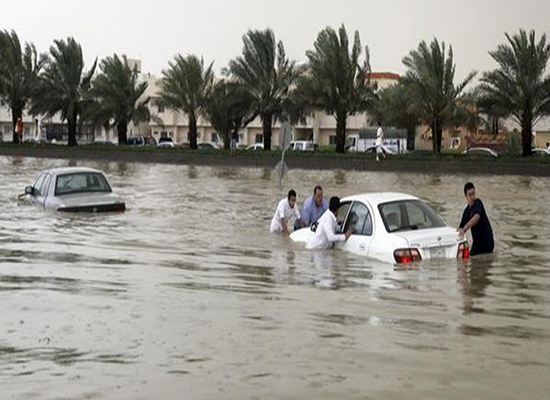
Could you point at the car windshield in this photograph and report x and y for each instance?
(81, 182)
(409, 215)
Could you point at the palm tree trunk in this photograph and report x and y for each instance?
(16, 113)
(341, 120)
(439, 139)
(122, 129)
(267, 121)
(226, 136)
(192, 131)
(527, 134)
(411, 137)
(71, 125)
(437, 133)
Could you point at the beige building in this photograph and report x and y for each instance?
(319, 127)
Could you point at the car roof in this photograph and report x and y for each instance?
(71, 170)
(380, 197)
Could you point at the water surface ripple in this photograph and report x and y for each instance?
(186, 295)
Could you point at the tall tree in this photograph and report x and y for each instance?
(19, 71)
(520, 85)
(265, 72)
(394, 107)
(228, 109)
(430, 79)
(117, 93)
(185, 87)
(64, 85)
(337, 79)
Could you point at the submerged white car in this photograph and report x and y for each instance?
(74, 189)
(395, 228)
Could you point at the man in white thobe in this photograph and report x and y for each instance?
(325, 234)
(286, 209)
(379, 142)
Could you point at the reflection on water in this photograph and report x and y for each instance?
(186, 292)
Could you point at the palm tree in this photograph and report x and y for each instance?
(64, 85)
(337, 79)
(185, 87)
(519, 85)
(394, 107)
(265, 72)
(430, 78)
(18, 74)
(116, 92)
(228, 109)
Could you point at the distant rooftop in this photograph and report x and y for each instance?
(384, 75)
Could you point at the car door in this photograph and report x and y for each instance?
(41, 192)
(359, 220)
(33, 198)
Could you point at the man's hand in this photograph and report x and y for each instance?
(461, 232)
(348, 233)
(284, 226)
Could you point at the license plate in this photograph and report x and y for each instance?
(437, 253)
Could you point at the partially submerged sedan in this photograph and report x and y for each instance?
(394, 227)
(74, 189)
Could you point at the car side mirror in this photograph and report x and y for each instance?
(29, 190)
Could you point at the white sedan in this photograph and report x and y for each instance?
(394, 227)
(74, 189)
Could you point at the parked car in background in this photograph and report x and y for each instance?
(394, 227)
(100, 142)
(73, 189)
(255, 147)
(166, 142)
(385, 149)
(140, 141)
(541, 152)
(207, 146)
(302, 145)
(480, 151)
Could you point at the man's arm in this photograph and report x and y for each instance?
(333, 237)
(469, 225)
(306, 214)
(284, 226)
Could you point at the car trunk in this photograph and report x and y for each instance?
(433, 243)
(91, 202)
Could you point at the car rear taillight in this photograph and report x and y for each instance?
(463, 251)
(405, 256)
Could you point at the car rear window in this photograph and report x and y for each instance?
(81, 182)
(409, 215)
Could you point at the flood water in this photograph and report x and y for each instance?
(187, 295)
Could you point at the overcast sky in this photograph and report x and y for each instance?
(155, 30)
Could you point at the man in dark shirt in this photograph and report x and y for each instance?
(475, 218)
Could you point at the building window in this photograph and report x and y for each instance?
(214, 137)
(332, 140)
(171, 134)
(163, 134)
(259, 138)
(160, 107)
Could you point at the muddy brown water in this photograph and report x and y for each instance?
(187, 295)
